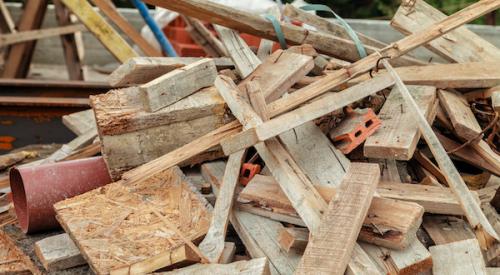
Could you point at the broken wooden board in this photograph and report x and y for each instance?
(177, 84)
(460, 45)
(80, 122)
(461, 116)
(458, 258)
(331, 246)
(243, 57)
(58, 252)
(141, 70)
(101, 29)
(412, 260)
(258, 266)
(395, 228)
(117, 228)
(13, 260)
(398, 136)
(259, 234)
(447, 229)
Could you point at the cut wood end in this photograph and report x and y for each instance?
(485, 239)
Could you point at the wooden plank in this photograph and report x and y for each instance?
(43, 101)
(398, 136)
(482, 228)
(141, 70)
(460, 45)
(177, 84)
(259, 234)
(329, 250)
(70, 147)
(361, 263)
(457, 258)
(280, 71)
(7, 25)
(308, 112)
(412, 260)
(402, 220)
(119, 220)
(109, 9)
(58, 252)
(258, 266)
(228, 252)
(213, 243)
(101, 29)
(13, 260)
(204, 37)
(220, 14)
(19, 56)
(447, 229)
(18, 37)
(10, 159)
(72, 57)
(80, 122)
(298, 188)
(458, 110)
(293, 238)
(244, 59)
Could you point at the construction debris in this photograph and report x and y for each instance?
(336, 154)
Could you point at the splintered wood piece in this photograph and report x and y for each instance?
(412, 260)
(308, 112)
(80, 122)
(13, 260)
(177, 84)
(458, 258)
(329, 250)
(140, 70)
(244, 59)
(58, 252)
(101, 29)
(213, 243)
(19, 56)
(280, 71)
(482, 228)
(258, 266)
(458, 110)
(293, 238)
(298, 188)
(18, 37)
(10, 159)
(447, 229)
(258, 234)
(398, 136)
(385, 215)
(108, 8)
(116, 230)
(460, 45)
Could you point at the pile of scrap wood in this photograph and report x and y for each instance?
(321, 160)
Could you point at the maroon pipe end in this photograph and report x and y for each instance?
(36, 189)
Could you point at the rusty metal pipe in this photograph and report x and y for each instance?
(36, 189)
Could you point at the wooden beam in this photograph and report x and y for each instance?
(177, 84)
(482, 228)
(19, 56)
(101, 29)
(462, 257)
(220, 14)
(398, 136)
(458, 110)
(308, 112)
(331, 247)
(141, 70)
(108, 8)
(71, 55)
(58, 252)
(18, 37)
(213, 243)
(244, 59)
(460, 45)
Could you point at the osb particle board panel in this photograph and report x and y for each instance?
(115, 226)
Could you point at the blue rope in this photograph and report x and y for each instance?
(277, 30)
(158, 33)
(349, 30)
